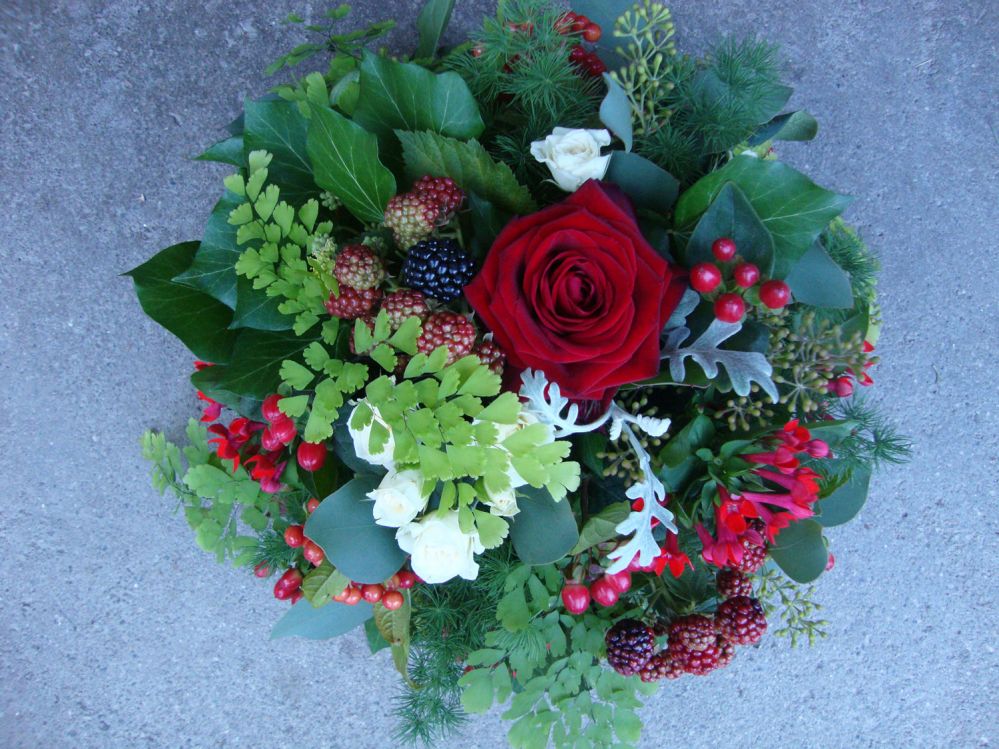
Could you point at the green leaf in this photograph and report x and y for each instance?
(817, 280)
(295, 375)
(477, 690)
(615, 112)
(649, 186)
(227, 151)
(843, 504)
(602, 526)
(322, 583)
(731, 215)
(214, 268)
(492, 529)
(430, 24)
(197, 319)
(345, 159)
(254, 368)
(302, 620)
(469, 165)
(344, 526)
(765, 102)
(375, 640)
(801, 551)
(254, 309)
(406, 96)
(798, 125)
(793, 208)
(278, 127)
(544, 530)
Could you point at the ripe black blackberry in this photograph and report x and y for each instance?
(741, 620)
(439, 268)
(629, 646)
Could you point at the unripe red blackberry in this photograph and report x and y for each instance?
(661, 666)
(405, 303)
(411, 218)
(733, 583)
(447, 329)
(741, 620)
(693, 632)
(629, 646)
(726, 652)
(352, 303)
(443, 192)
(697, 662)
(359, 267)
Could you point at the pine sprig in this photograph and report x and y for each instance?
(874, 443)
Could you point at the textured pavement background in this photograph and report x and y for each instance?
(115, 631)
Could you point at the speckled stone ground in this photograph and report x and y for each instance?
(115, 631)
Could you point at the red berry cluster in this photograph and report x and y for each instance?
(730, 305)
(842, 386)
(606, 590)
(570, 23)
(386, 593)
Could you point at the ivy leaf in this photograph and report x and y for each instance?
(602, 526)
(793, 208)
(742, 367)
(469, 165)
(344, 527)
(278, 127)
(226, 151)
(430, 24)
(255, 309)
(345, 159)
(731, 215)
(798, 125)
(214, 268)
(817, 280)
(405, 96)
(801, 551)
(302, 620)
(200, 321)
(678, 458)
(544, 530)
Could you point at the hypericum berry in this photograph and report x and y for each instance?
(604, 592)
(393, 600)
(269, 408)
(411, 218)
(580, 22)
(444, 192)
(775, 294)
(359, 267)
(439, 268)
(341, 597)
(841, 386)
(372, 593)
(592, 33)
(620, 580)
(594, 66)
(705, 277)
(741, 620)
(407, 579)
(661, 666)
(296, 596)
(312, 505)
(563, 24)
(353, 596)
(311, 455)
(746, 275)
(732, 583)
(283, 430)
(575, 598)
(353, 303)
(287, 584)
(578, 54)
(294, 536)
(730, 308)
(447, 329)
(269, 442)
(490, 355)
(405, 303)
(629, 646)
(313, 552)
(692, 632)
(723, 249)
(262, 570)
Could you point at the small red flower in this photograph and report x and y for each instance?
(213, 409)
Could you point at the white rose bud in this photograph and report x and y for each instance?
(504, 504)
(362, 437)
(439, 549)
(573, 156)
(398, 498)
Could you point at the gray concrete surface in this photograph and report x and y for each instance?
(115, 631)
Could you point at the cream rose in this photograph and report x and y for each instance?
(398, 498)
(439, 549)
(362, 438)
(573, 156)
(503, 504)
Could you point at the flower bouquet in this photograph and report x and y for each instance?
(528, 357)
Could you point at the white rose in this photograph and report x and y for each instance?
(440, 550)
(504, 504)
(398, 498)
(573, 156)
(362, 438)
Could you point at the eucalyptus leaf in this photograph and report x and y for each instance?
(615, 112)
(800, 551)
(817, 280)
(344, 527)
(845, 502)
(197, 319)
(649, 186)
(544, 530)
(302, 620)
(345, 159)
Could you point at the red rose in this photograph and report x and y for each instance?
(576, 292)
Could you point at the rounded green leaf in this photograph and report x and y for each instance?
(329, 621)
(544, 530)
(845, 502)
(801, 551)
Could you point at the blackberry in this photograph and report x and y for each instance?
(726, 651)
(447, 329)
(353, 303)
(693, 632)
(359, 267)
(697, 662)
(661, 666)
(741, 620)
(732, 583)
(629, 646)
(439, 268)
(403, 304)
